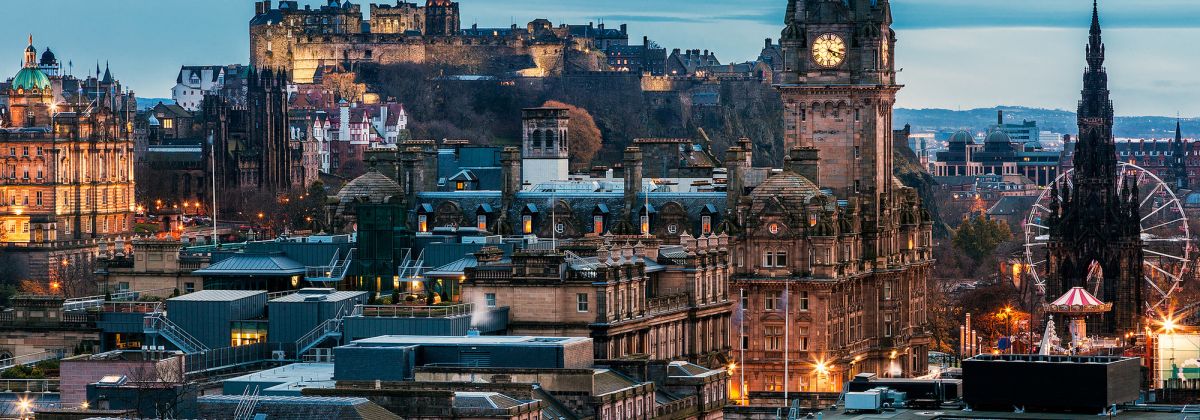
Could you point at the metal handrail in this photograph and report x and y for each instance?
(33, 358)
(402, 311)
(157, 323)
(330, 328)
(335, 271)
(88, 302)
(29, 385)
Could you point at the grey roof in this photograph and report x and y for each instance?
(1008, 206)
(326, 297)
(216, 406)
(484, 400)
(218, 295)
(607, 381)
(253, 264)
(679, 368)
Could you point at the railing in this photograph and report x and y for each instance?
(665, 304)
(277, 295)
(401, 311)
(224, 358)
(7, 316)
(33, 358)
(157, 324)
(88, 302)
(29, 385)
(334, 272)
(131, 307)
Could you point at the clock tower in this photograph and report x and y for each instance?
(838, 90)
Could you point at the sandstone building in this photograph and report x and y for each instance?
(832, 254)
(67, 155)
(304, 40)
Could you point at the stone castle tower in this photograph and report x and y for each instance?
(1092, 219)
(442, 18)
(544, 150)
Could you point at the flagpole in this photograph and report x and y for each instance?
(212, 157)
(741, 342)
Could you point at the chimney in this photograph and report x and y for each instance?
(624, 29)
(747, 146)
(767, 43)
(1000, 117)
(645, 42)
(633, 180)
(511, 171)
(734, 165)
(804, 161)
(258, 8)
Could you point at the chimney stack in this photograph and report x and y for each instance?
(633, 180)
(804, 161)
(1000, 117)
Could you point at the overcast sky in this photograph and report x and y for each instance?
(955, 53)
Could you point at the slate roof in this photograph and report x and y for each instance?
(788, 188)
(607, 381)
(679, 368)
(349, 408)
(218, 295)
(253, 264)
(484, 400)
(1009, 206)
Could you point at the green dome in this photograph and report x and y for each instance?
(30, 78)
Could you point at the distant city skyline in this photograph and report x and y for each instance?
(955, 54)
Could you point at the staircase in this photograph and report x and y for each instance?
(335, 272)
(156, 324)
(331, 328)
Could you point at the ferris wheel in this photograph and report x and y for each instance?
(1166, 239)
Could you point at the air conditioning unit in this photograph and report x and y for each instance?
(278, 355)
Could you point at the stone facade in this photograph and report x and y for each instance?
(832, 253)
(66, 167)
(304, 40)
(631, 296)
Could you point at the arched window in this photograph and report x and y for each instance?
(536, 139)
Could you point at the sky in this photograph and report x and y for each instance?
(955, 54)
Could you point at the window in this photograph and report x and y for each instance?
(422, 223)
(645, 224)
(527, 224)
(460, 185)
(39, 198)
(705, 224)
(887, 291)
(775, 259)
(802, 332)
(774, 383)
(25, 151)
(774, 337)
(745, 341)
(857, 152)
(887, 325)
(39, 151)
(774, 301)
(168, 123)
(489, 299)
(803, 301)
(856, 189)
(481, 222)
(189, 287)
(581, 302)
(598, 224)
(745, 301)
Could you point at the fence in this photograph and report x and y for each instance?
(401, 311)
(29, 385)
(224, 358)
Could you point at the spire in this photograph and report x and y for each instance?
(787, 18)
(30, 40)
(1095, 49)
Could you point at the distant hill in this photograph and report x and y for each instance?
(1054, 120)
(146, 103)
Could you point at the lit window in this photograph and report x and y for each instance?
(527, 224)
(422, 223)
(460, 185)
(168, 123)
(705, 224)
(481, 222)
(645, 224)
(598, 224)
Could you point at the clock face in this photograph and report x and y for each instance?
(773, 228)
(829, 50)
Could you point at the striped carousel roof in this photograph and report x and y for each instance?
(1078, 300)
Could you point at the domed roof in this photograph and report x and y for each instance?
(791, 189)
(30, 78)
(48, 57)
(998, 136)
(372, 185)
(962, 137)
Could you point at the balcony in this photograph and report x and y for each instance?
(402, 311)
(665, 304)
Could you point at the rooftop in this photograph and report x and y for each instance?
(218, 295)
(412, 340)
